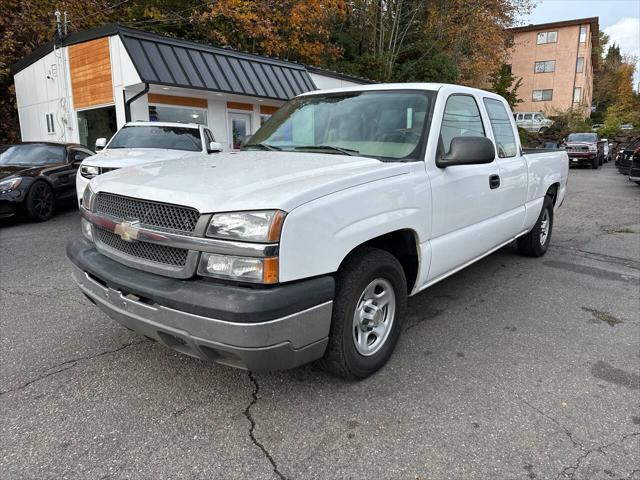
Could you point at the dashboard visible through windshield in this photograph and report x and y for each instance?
(387, 125)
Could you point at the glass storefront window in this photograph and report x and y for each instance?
(96, 123)
(162, 113)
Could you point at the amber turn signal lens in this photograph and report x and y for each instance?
(276, 226)
(270, 269)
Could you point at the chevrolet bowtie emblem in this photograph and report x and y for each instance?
(127, 231)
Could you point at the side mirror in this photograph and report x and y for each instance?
(101, 143)
(214, 147)
(468, 151)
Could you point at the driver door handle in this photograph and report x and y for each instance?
(494, 181)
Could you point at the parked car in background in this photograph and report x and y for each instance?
(634, 171)
(143, 142)
(625, 158)
(306, 244)
(35, 176)
(596, 126)
(585, 149)
(626, 126)
(607, 149)
(533, 121)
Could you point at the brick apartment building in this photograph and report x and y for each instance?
(556, 62)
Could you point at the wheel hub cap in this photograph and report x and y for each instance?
(373, 317)
(544, 227)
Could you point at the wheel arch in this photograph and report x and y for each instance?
(402, 244)
(552, 192)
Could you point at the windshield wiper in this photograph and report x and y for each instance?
(263, 146)
(344, 151)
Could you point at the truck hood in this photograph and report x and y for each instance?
(245, 180)
(126, 157)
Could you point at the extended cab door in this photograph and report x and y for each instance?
(512, 166)
(465, 200)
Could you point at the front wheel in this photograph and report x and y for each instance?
(536, 242)
(371, 297)
(40, 202)
(595, 163)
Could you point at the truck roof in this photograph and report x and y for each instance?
(162, 124)
(432, 87)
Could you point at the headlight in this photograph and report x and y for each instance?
(87, 171)
(592, 148)
(11, 184)
(257, 226)
(86, 229)
(242, 269)
(87, 198)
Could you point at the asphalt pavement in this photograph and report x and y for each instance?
(514, 368)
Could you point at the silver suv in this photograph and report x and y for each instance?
(533, 121)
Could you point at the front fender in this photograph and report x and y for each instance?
(318, 235)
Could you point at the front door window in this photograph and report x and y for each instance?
(240, 124)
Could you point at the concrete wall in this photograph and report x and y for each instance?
(565, 52)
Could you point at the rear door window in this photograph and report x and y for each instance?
(461, 118)
(502, 129)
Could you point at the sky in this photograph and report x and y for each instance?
(620, 19)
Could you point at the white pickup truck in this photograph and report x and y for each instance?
(307, 244)
(144, 142)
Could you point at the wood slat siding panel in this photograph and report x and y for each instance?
(90, 67)
(239, 106)
(176, 100)
(268, 110)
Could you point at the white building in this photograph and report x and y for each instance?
(89, 84)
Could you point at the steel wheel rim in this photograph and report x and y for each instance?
(374, 316)
(544, 227)
(43, 201)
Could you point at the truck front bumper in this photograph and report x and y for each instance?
(258, 329)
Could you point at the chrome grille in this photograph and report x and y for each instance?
(175, 257)
(150, 214)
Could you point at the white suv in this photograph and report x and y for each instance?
(144, 142)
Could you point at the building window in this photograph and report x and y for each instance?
(96, 123)
(542, 95)
(163, 113)
(545, 66)
(583, 33)
(547, 37)
(577, 95)
(51, 128)
(580, 64)
(264, 118)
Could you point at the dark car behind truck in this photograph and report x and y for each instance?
(585, 149)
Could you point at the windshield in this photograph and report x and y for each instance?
(171, 138)
(582, 137)
(387, 125)
(31, 155)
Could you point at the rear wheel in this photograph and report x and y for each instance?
(40, 202)
(371, 297)
(536, 242)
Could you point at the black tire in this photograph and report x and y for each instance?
(595, 163)
(41, 202)
(364, 267)
(531, 244)
(601, 161)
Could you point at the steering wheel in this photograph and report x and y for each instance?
(400, 135)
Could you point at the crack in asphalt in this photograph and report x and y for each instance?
(67, 365)
(555, 421)
(574, 468)
(252, 428)
(570, 470)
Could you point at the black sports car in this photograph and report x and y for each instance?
(36, 175)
